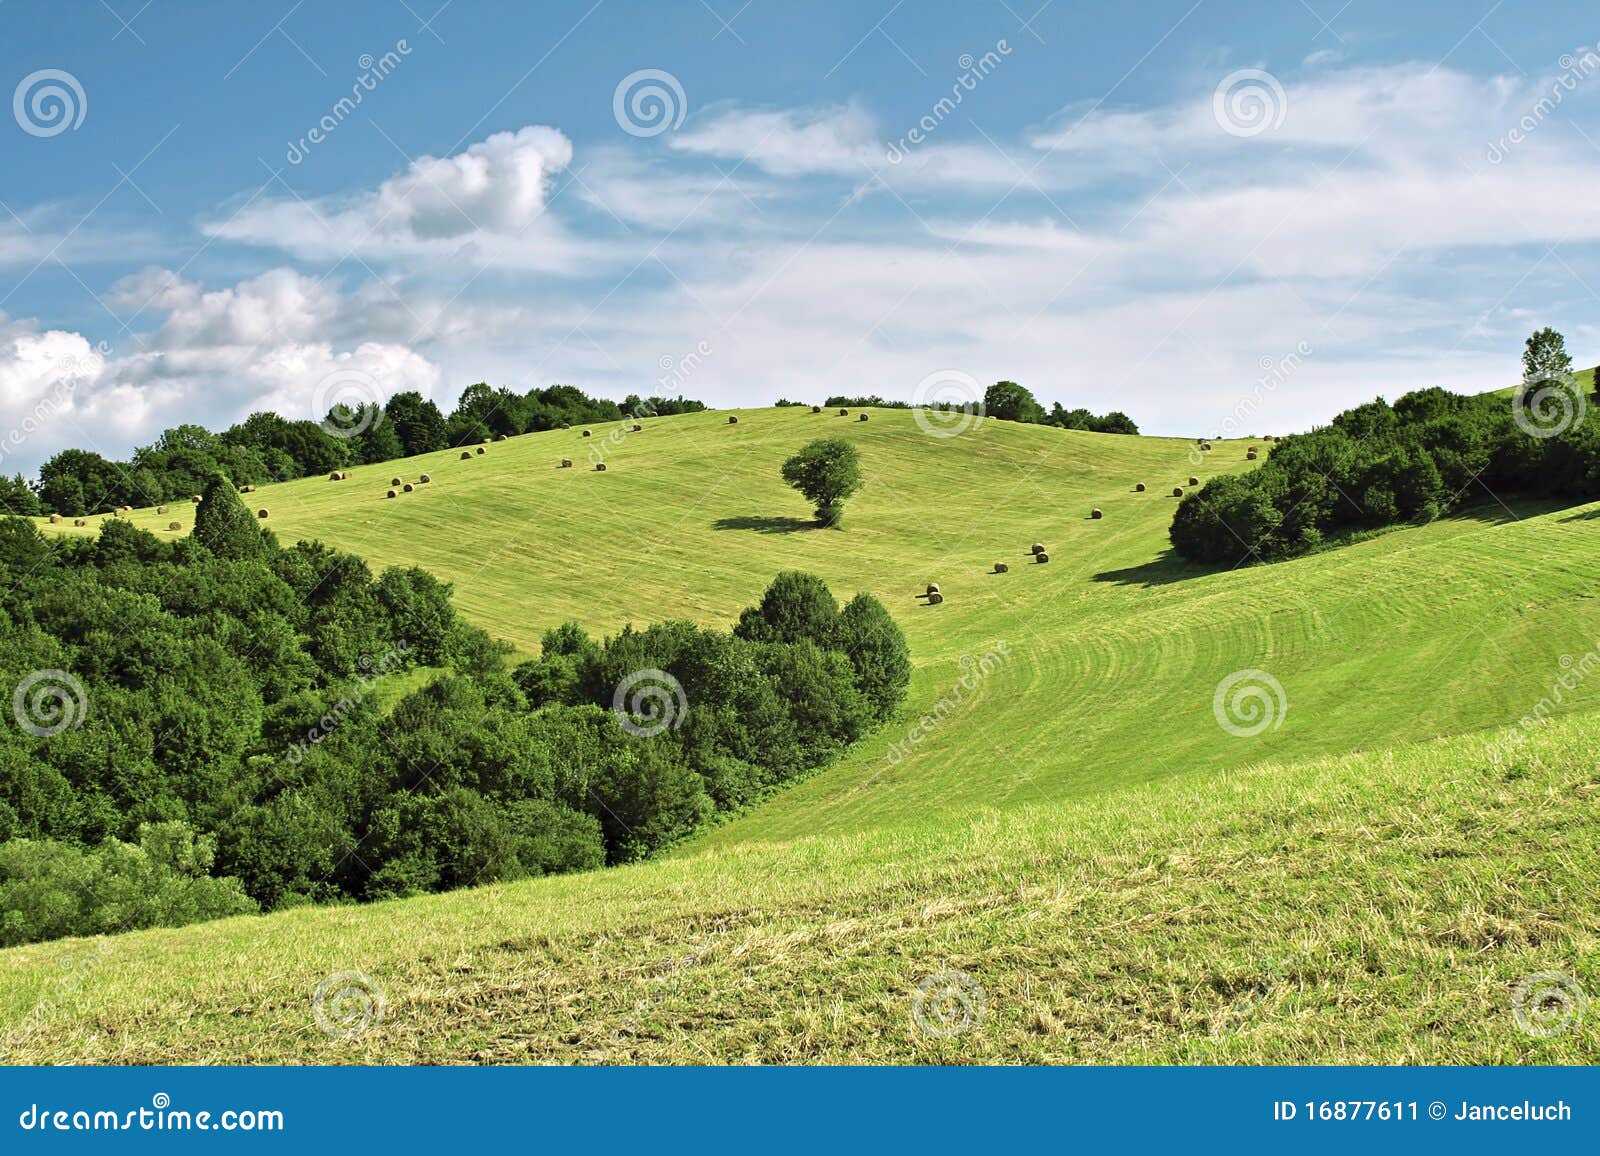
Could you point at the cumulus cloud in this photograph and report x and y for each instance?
(487, 203)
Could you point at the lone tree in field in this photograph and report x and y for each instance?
(1546, 358)
(827, 471)
(1009, 401)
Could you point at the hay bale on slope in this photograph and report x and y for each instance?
(55, 519)
(1177, 491)
(1206, 446)
(161, 509)
(863, 417)
(1041, 557)
(424, 479)
(80, 522)
(336, 476)
(586, 434)
(174, 525)
(1250, 455)
(638, 428)
(1001, 568)
(1193, 481)
(935, 599)
(844, 413)
(195, 498)
(1138, 487)
(1038, 548)
(733, 419)
(1095, 513)
(933, 588)
(395, 481)
(261, 514)
(816, 409)
(466, 455)
(394, 493)
(599, 467)
(566, 463)
(481, 450)
(408, 487)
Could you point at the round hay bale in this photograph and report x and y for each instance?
(933, 588)
(161, 509)
(586, 433)
(1138, 487)
(481, 450)
(816, 409)
(408, 487)
(1041, 558)
(1206, 446)
(393, 494)
(599, 467)
(174, 525)
(80, 522)
(1177, 491)
(336, 476)
(466, 455)
(1001, 568)
(500, 438)
(844, 413)
(1038, 548)
(194, 498)
(395, 481)
(424, 479)
(863, 417)
(733, 419)
(54, 519)
(1194, 481)
(1250, 456)
(935, 598)
(248, 490)
(261, 513)
(638, 428)
(1095, 513)
(566, 463)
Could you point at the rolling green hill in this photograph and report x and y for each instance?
(1068, 823)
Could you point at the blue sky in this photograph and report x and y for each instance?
(1216, 217)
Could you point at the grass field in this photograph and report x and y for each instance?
(1069, 824)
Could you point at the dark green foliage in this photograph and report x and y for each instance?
(224, 525)
(1009, 401)
(826, 471)
(228, 721)
(1545, 358)
(17, 498)
(1379, 465)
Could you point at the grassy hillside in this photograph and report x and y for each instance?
(1366, 908)
(1112, 652)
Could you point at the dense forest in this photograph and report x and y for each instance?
(1377, 465)
(266, 447)
(220, 724)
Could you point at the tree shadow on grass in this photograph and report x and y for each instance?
(1160, 571)
(764, 524)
